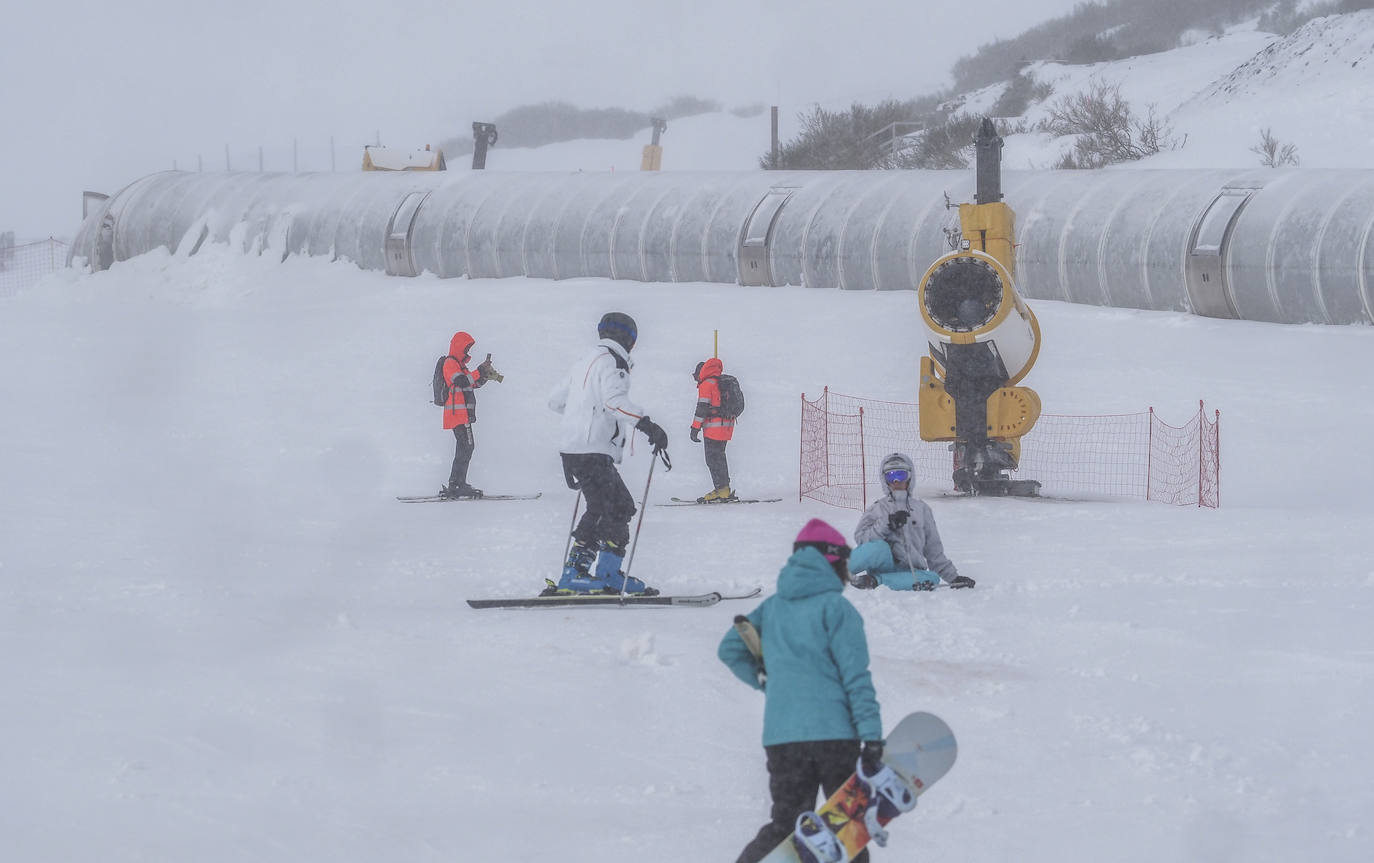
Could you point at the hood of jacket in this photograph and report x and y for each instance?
(619, 350)
(710, 369)
(460, 346)
(807, 573)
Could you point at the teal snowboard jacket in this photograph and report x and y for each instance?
(816, 656)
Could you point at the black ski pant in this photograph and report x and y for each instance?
(716, 463)
(462, 455)
(795, 771)
(610, 506)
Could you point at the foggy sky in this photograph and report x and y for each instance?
(98, 94)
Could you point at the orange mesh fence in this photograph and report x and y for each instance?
(844, 438)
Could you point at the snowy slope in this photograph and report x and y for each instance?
(1216, 94)
(223, 640)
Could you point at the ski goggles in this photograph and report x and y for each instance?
(900, 474)
(832, 552)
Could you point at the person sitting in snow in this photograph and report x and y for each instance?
(898, 543)
(819, 701)
(460, 411)
(717, 430)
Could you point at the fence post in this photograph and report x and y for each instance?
(1149, 451)
(825, 432)
(1201, 449)
(863, 462)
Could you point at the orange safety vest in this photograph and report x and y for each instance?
(708, 418)
(461, 407)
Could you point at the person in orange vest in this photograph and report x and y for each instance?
(460, 411)
(716, 428)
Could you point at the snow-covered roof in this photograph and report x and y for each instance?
(389, 159)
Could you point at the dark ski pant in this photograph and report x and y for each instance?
(795, 771)
(462, 455)
(716, 463)
(610, 506)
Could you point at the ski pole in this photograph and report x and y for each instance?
(577, 504)
(644, 504)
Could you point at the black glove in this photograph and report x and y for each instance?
(658, 438)
(961, 581)
(695, 435)
(897, 520)
(863, 581)
(871, 756)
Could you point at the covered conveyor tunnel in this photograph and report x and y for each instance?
(1291, 246)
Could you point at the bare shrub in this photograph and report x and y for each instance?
(1106, 129)
(1272, 152)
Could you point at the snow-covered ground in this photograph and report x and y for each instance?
(223, 639)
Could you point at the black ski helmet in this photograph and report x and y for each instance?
(619, 328)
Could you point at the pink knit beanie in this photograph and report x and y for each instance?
(824, 537)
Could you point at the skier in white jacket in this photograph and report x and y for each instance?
(898, 545)
(598, 419)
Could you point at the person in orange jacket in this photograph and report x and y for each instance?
(717, 430)
(460, 411)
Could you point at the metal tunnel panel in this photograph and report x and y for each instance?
(754, 267)
(821, 249)
(540, 222)
(1085, 242)
(439, 240)
(907, 233)
(856, 268)
(599, 229)
(1168, 208)
(495, 238)
(399, 261)
(632, 224)
(1297, 249)
(720, 235)
(687, 239)
(1342, 275)
(1269, 251)
(1044, 207)
(660, 228)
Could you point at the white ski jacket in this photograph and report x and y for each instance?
(594, 399)
(916, 544)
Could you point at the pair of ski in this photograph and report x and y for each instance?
(700, 600)
(439, 498)
(682, 501)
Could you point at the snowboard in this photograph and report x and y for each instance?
(701, 600)
(436, 498)
(682, 501)
(920, 750)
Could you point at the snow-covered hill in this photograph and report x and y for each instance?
(1313, 89)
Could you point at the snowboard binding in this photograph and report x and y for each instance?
(888, 796)
(816, 842)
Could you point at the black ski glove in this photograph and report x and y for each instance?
(863, 581)
(695, 435)
(658, 438)
(871, 756)
(898, 519)
(961, 581)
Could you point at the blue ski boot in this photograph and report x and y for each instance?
(608, 571)
(577, 577)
